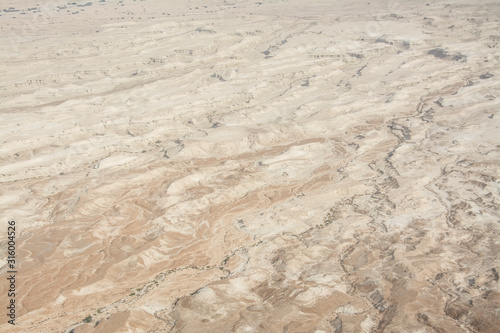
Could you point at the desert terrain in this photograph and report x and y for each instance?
(240, 166)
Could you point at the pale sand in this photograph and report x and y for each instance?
(290, 166)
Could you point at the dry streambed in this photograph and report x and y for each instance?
(322, 167)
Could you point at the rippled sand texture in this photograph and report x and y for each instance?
(313, 166)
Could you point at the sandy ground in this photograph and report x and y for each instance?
(240, 166)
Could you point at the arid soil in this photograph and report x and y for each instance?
(241, 166)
